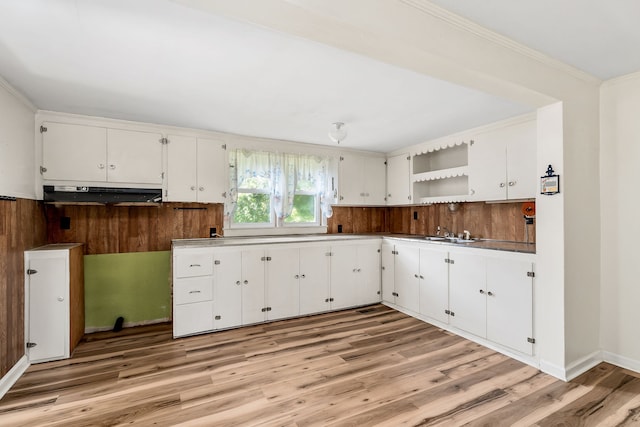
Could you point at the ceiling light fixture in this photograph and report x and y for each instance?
(338, 132)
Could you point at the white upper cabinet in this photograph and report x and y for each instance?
(362, 180)
(502, 163)
(134, 157)
(196, 170)
(74, 152)
(399, 180)
(88, 154)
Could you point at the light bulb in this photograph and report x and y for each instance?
(338, 132)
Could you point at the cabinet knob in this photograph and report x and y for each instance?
(60, 299)
(112, 167)
(246, 282)
(421, 276)
(297, 276)
(482, 291)
(472, 191)
(303, 276)
(238, 282)
(358, 270)
(512, 183)
(201, 188)
(193, 188)
(389, 195)
(502, 185)
(341, 198)
(101, 166)
(415, 275)
(490, 293)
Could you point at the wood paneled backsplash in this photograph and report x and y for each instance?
(502, 221)
(117, 229)
(22, 227)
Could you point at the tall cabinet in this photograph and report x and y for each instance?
(54, 301)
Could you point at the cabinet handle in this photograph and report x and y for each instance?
(194, 292)
(194, 265)
(512, 183)
(201, 188)
(112, 167)
(193, 188)
(502, 185)
(60, 299)
(246, 282)
(490, 293)
(238, 282)
(101, 166)
(482, 291)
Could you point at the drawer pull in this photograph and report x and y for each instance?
(195, 265)
(194, 292)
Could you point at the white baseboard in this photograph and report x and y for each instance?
(583, 364)
(621, 361)
(93, 329)
(13, 375)
(554, 370)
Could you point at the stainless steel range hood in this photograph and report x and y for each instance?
(101, 195)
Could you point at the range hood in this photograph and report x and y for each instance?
(101, 195)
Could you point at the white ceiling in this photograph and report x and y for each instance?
(599, 37)
(158, 61)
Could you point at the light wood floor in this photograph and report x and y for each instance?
(369, 366)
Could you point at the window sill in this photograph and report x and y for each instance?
(280, 231)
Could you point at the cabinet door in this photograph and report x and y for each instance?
(48, 309)
(467, 293)
(487, 166)
(510, 303)
(134, 157)
(193, 318)
(283, 283)
(212, 171)
(375, 181)
(181, 173)
(522, 179)
(388, 271)
(407, 277)
(314, 279)
(351, 180)
(227, 288)
(398, 180)
(368, 272)
(344, 276)
(434, 284)
(74, 152)
(253, 296)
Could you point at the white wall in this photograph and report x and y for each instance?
(620, 177)
(17, 159)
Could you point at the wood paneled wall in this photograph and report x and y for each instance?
(117, 229)
(22, 227)
(502, 221)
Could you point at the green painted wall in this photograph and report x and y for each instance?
(132, 285)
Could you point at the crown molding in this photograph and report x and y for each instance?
(469, 26)
(18, 95)
(622, 79)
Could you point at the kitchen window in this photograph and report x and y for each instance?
(277, 190)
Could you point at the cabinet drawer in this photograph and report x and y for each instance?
(186, 291)
(193, 264)
(191, 319)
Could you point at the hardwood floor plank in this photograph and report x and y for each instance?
(365, 366)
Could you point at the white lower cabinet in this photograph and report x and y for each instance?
(218, 288)
(434, 284)
(355, 274)
(482, 292)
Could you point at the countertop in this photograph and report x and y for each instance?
(500, 245)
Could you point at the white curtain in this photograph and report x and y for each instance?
(280, 174)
